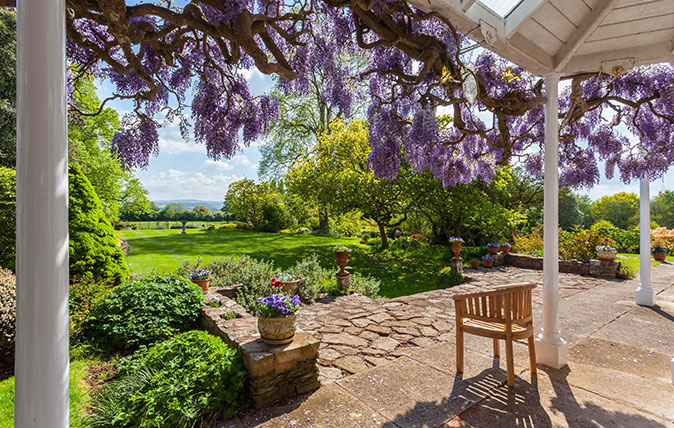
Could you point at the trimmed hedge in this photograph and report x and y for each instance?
(7, 217)
(144, 311)
(190, 381)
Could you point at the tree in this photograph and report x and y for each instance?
(7, 88)
(94, 252)
(135, 205)
(335, 174)
(621, 209)
(569, 212)
(259, 205)
(415, 62)
(662, 209)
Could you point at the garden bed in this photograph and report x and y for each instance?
(595, 268)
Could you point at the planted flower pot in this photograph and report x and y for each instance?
(342, 256)
(474, 264)
(203, 283)
(488, 261)
(277, 330)
(285, 282)
(276, 318)
(290, 287)
(505, 248)
(661, 257)
(606, 256)
(202, 278)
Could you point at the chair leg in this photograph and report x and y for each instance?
(509, 362)
(532, 355)
(459, 350)
(497, 348)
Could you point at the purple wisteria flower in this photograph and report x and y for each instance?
(277, 305)
(201, 274)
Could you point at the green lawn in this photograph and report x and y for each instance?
(163, 251)
(78, 396)
(632, 260)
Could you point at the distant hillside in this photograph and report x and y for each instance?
(191, 203)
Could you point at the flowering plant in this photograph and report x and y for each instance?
(280, 278)
(455, 239)
(487, 257)
(659, 250)
(605, 248)
(214, 302)
(339, 248)
(277, 305)
(506, 244)
(201, 274)
(493, 245)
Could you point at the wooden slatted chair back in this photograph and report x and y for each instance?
(507, 304)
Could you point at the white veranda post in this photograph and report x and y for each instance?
(551, 349)
(645, 294)
(41, 398)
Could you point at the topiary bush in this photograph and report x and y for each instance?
(7, 307)
(190, 381)
(449, 277)
(144, 311)
(7, 217)
(94, 252)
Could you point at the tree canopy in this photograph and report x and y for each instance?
(415, 63)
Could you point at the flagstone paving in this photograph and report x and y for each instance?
(358, 332)
(617, 376)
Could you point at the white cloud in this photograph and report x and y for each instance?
(176, 184)
(172, 142)
(213, 165)
(248, 74)
(238, 161)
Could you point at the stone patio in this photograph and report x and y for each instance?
(390, 363)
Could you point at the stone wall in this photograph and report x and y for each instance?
(596, 268)
(274, 372)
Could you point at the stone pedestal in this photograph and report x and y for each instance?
(343, 281)
(457, 263)
(274, 372)
(277, 372)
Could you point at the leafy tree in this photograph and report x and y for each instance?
(94, 252)
(7, 217)
(621, 209)
(336, 175)
(135, 204)
(585, 208)
(258, 204)
(7, 88)
(662, 209)
(570, 215)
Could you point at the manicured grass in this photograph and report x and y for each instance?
(164, 250)
(78, 396)
(632, 260)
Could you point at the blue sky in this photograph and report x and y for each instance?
(183, 171)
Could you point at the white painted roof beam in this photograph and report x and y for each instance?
(593, 19)
(520, 14)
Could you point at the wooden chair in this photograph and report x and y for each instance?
(501, 314)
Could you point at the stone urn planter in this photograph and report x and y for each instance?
(290, 287)
(276, 318)
(202, 278)
(457, 245)
(488, 261)
(342, 255)
(474, 264)
(277, 330)
(606, 253)
(659, 254)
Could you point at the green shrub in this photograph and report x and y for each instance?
(365, 285)
(531, 243)
(94, 252)
(7, 306)
(626, 271)
(313, 276)
(143, 311)
(82, 294)
(189, 381)
(626, 241)
(449, 277)
(580, 246)
(601, 224)
(7, 217)
(228, 226)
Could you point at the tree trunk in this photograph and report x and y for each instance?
(384, 238)
(323, 221)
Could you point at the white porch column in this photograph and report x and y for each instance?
(645, 294)
(551, 349)
(41, 399)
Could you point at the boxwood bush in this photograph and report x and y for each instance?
(191, 381)
(144, 311)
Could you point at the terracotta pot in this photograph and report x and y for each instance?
(488, 263)
(278, 330)
(290, 287)
(505, 250)
(661, 257)
(493, 250)
(342, 259)
(456, 248)
(606, 256)
(474, 264)
(203, 283)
